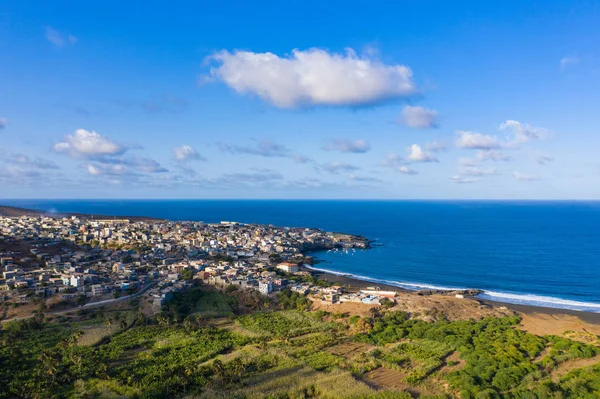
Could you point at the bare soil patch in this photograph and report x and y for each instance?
(350, 350)
(559, 324)
(569, 365)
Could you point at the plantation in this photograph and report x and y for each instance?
(288, 354)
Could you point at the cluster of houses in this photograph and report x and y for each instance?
(73, 256)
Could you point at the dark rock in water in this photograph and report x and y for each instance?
(450, 292)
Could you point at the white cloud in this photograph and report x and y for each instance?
(392, 160)
(312, 77)
(419, 117)
(105, 169)
(476, 171)
(435, 146)
(127, 167)
(3, 122)
(348, 146)
(337, 167)
(59, 39)
(566, 62)
(186, 153)
(466, 162)
(24, 161)
(263, 148)
(544, 159)
(84, 143)
(365, 179)
(416, 154)
(523, 132)
(406, 170)
(463, 180)
(525, 176)
(492, 155)
(476, 141)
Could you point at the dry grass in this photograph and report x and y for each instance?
(573, 364)
(94, 334)
(335, 384)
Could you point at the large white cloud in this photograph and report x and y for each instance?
(476, 141)
(419, 117)
(312, 77)
(84, 143)
(416, 154)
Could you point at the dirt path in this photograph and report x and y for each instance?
(569, 365)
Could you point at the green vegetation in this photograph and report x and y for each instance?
(206, 344)
(293, 300)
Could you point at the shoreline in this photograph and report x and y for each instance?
(356, 284)
(345, 279)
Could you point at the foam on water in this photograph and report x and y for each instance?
(538, 300)
(517, 299)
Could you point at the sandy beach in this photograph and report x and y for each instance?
(582, 326)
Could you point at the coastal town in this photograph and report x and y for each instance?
(85, 261)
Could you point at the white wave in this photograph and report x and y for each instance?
(400, 284)
(539, 300)
(518, 299)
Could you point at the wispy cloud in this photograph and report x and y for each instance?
(406, 170)
(3, 122)
(336, 167)
(464, 180)
(523, 132)
(492, 155)
(23, 160)
(365, 179)
(436, 146)
(567, 62)
(347, 146)
(419, 117)
(476, 141)
(544, 159)
(59, 39)
(525, 176)
(262, 148)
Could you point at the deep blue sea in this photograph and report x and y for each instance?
(537, 253)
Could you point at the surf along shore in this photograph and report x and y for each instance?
(535, 319)
(584, 326)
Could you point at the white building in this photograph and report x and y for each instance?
(288, 267)
(265, 287)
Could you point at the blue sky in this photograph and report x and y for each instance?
(300, 99)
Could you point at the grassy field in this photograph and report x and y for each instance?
(288, 354)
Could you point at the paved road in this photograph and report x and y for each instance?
(87, 305)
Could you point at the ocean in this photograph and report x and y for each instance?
(534, 253)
